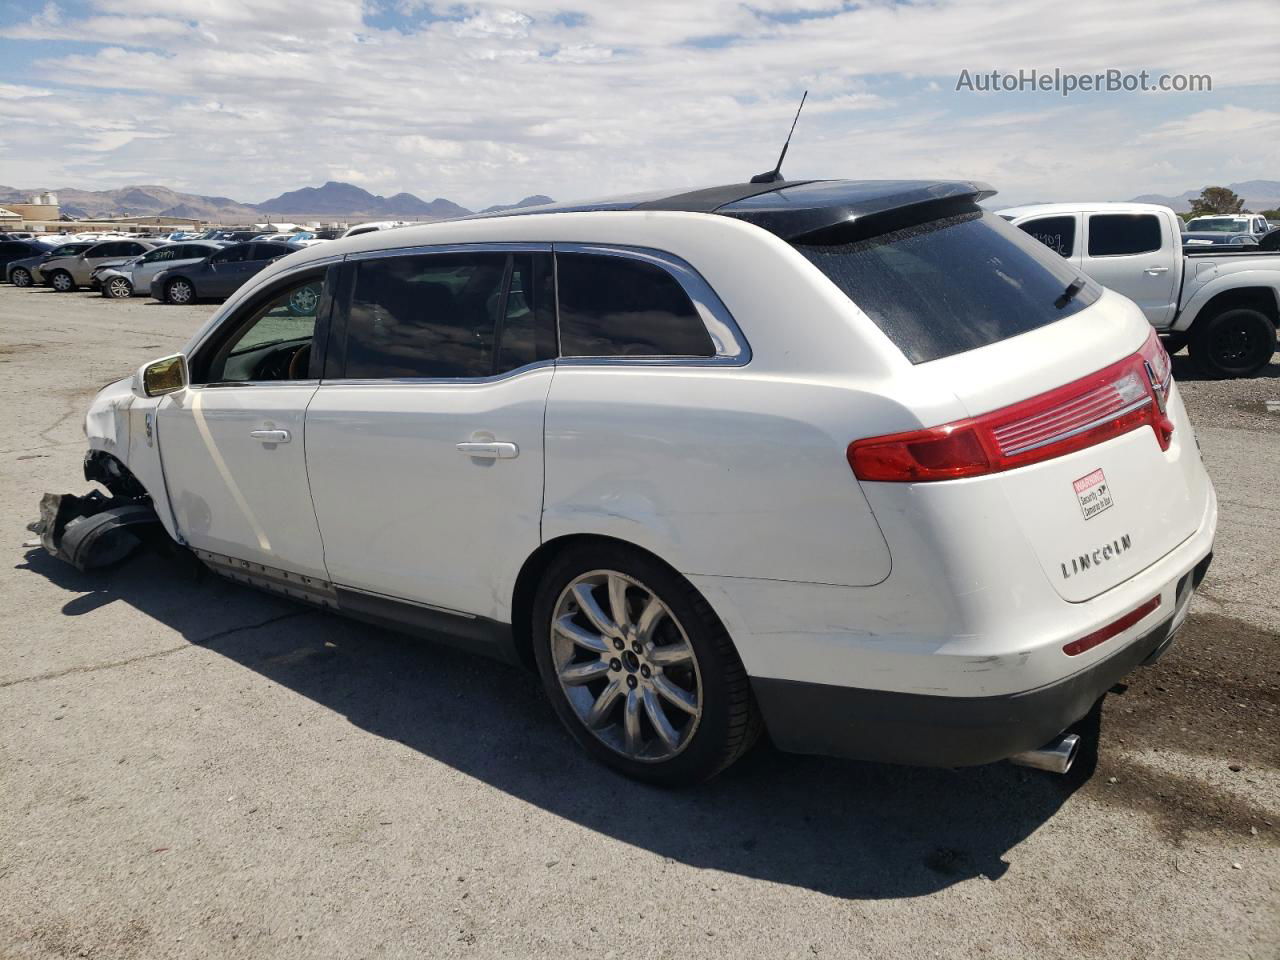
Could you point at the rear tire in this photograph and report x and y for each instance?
(1238, 342)
(62, 282)
(180, 292)
(20, 277)
(679, 705)
(117, 288)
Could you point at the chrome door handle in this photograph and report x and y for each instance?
(1155, 271)
(270, 436)
(489, 449)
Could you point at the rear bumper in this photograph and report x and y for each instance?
(937, 731)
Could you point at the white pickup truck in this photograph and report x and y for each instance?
(1224, 305)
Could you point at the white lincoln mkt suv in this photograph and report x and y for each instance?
(856, 463)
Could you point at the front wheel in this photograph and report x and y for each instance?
(20, 277)
(117, 288)
(62, 282)
(639, 668)
(179, 291)
(1237, 342)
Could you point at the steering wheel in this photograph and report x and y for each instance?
(299, 363)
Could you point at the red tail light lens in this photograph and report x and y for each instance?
(1091, 640)
(1116, 399)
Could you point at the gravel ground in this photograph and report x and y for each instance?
(193, 769)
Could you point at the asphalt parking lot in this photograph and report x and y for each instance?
(193, 769)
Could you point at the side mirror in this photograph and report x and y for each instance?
(163, 376)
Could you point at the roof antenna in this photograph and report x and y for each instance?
(775, 175)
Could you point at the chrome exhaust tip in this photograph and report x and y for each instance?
(1056, 756)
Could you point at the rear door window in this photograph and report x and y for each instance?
(1056, 233)
(619, 307)
(443, 315)
(1122, 234)
(959, 283)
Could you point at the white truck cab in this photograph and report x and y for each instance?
(1222, 302)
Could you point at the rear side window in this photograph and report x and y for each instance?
(615, 307)
(236, 254)
(956, 284)
(1118, 234)
(1056, 233)
(449, 315)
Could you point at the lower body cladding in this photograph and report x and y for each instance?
(936, 731)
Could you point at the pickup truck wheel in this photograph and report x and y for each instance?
(1237, 342)
(20, 277)
(179, 291)
(62, 282)
(639, 668)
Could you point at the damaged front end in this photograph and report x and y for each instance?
(96, 530)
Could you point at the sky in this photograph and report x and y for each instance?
(488, 102)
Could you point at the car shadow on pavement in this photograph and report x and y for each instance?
(1184, 369)
(847, 829)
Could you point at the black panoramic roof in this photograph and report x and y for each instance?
(796, 209)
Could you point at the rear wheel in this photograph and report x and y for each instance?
(20, 277)
(639, 668)
(62, 282)
(117, 288)
(1237, 342)
(179, 291)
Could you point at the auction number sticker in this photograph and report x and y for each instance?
(1094, 494)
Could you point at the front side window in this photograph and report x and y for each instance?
(1056, 233)
(449, 315)
(269, 341)
(620, 307)
(1122, 234)
(955, 284)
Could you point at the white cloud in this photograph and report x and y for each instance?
(485, 102)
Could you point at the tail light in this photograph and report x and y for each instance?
(1091, 640)
(1113, 401)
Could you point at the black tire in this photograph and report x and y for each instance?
(117, 288)
(1238, 342)
(729, 723)
(20, 277)
(62, 282)
(173, 292)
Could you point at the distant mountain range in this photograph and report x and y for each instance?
(333, 200)
(1258, 195)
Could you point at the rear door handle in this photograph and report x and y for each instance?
(270, 436)
(489, 449)
(1155, 271)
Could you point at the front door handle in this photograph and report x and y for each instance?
(270, 436)
(489, 449)
(1155, 271)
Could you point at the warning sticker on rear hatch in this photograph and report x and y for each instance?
(1094, 494)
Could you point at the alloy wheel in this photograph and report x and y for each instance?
(119, 288)
(21, 278)
(626, 666)
(61, 281)
(180, 292)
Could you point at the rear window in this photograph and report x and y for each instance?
(956, 284)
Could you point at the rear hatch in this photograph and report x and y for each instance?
(1072, 408)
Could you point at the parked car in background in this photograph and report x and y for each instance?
(239, 236)
(26, 273)
(1239, 230)
(12, 251)
(1221, 302)
(217, 276)
(373, 226)
(65, 274)
(133, 278)
(931, 518)
(303, 238)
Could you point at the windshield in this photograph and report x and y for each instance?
(947, 286)
(1219, 225)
